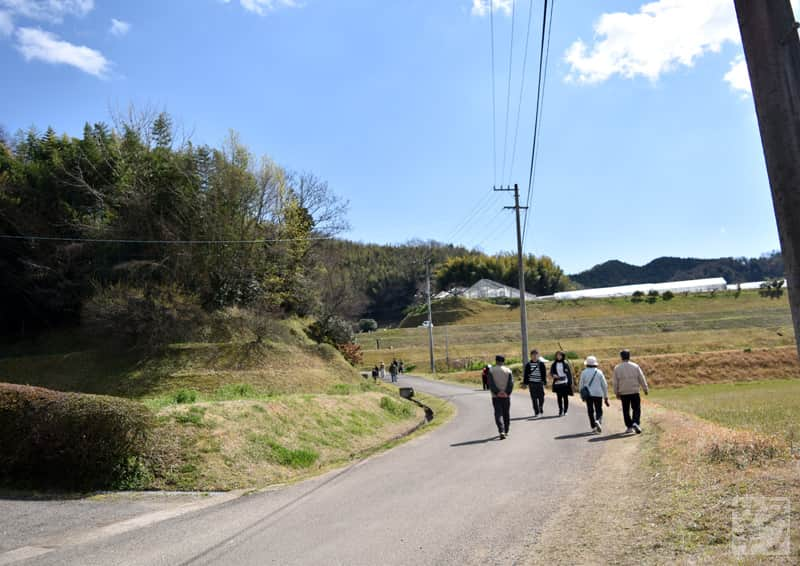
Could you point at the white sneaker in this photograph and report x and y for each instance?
(637, 428)
(628, 430)
(598, 428)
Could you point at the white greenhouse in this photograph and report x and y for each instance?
(488, 289)
(693, 286)
(748, 286)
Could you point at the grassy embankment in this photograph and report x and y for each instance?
(230, 414)
(690, 339)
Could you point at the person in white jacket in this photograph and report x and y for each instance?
(593, 383)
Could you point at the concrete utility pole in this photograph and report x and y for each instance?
(523, 309)
(772, 50)
(430, 314)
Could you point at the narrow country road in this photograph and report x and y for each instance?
(454, 496)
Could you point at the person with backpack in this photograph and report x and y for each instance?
(535, 378)
(593, 388)
(375, 373)
(393, 371)
(628, 378)
(501, 384)
(561, 373)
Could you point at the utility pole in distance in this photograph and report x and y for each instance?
(430, 314)
(523, 309)
(772, 50)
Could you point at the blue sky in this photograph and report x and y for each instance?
(649, 144)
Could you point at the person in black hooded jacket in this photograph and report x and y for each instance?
(562, 382)
(535, 378)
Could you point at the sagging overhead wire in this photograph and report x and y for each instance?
(544, 56)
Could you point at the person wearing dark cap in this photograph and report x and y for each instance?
(535, 378)
(501, 384)
(628, 379)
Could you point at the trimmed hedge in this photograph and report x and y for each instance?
(50, 439)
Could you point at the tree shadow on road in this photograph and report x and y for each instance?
(471, 442)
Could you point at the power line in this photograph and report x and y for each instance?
(544, 56)
(474, 212)
(160, 242)
(521, 87)
(508, 90)
(494, 102)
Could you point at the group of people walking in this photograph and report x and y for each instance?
(395, 368)
(628, 379)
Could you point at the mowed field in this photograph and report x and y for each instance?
(690, 339)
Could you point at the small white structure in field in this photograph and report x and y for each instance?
(488, 289)
(693, 286)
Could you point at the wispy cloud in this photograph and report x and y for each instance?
(662, 36)
(119, 27)
(39, 45)
(6, 24)
(738, 77)
(48, 10)
(481, 7)
(263, 7)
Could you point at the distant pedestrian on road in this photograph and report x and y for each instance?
(401, 367)
(628, 378)
(535, 378)
(485, 376)
(562, 382)
(594, 391)
(393, 371)
(501, 383)
(375, 373)
(383, 371)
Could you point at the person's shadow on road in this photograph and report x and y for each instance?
(611, 437)
(471, 442)
(577, 435)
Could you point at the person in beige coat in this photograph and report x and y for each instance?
(628, 379)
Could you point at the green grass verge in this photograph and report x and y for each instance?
(767, 407)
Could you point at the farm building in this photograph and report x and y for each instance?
(488, 289)
(693, 286)
(749, 286)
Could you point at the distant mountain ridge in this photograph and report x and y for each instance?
(734, 270)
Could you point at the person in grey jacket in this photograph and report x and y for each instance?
(628, 379)
(501, 384)
(594, 381)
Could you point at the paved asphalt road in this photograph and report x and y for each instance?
(455, 496)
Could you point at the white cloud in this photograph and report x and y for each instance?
(663, 35)
(262, 7)
(119, 27)
(481, 7)
(48, 10)
(738, 77)
(6, 24)
(36, 44)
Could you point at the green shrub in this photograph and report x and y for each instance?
(185, 397)
(194, 416)
(668, 296)
(637, 297)
(396, 408)
(263, 447)
(50, 439)
(235, 391)
(410, 367)
(367, 325)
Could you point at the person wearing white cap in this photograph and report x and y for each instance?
(594, 390)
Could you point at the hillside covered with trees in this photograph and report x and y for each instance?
(734, 270)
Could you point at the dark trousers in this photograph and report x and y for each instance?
(631, 401)
(502, 413)
(594, 406)
(563, 399)
(537, 397)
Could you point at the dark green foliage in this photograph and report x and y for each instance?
(652, 296)
(734, 270)
(542, 275)
(367, 325)
(50, 439)
(185, 396)
(667, 296)
(637, 297)
(772, 289)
